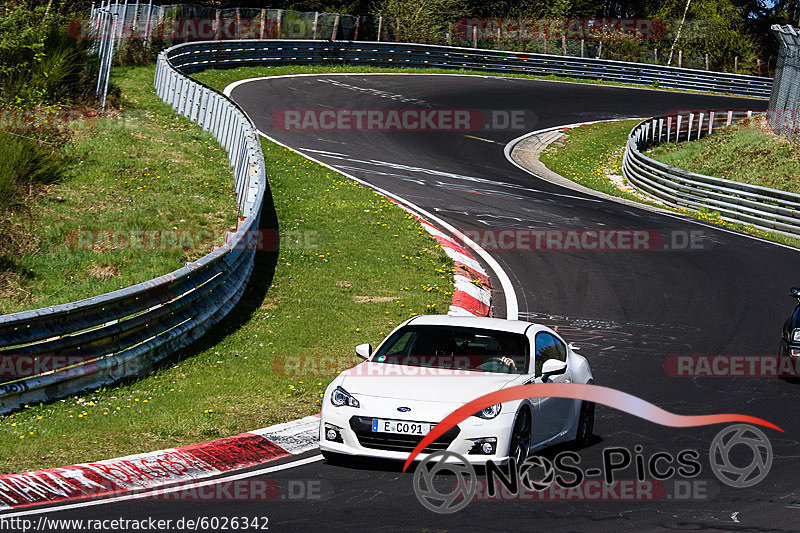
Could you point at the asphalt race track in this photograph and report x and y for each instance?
(627, 310)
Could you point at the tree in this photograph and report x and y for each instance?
(422, 21)
(713, 27)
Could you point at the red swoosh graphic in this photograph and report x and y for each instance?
(590, 393)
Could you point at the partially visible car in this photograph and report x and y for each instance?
(790, 338)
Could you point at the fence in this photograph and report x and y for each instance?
(178, 23)
(784, 102)
(126, 332)
(189, 22)
(760, 207)
(197, 56)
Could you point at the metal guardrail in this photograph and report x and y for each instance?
(761, 207)
(191, 57)
(125, 332)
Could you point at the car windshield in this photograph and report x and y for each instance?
(457, 348)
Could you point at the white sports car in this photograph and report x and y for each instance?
(431, 365)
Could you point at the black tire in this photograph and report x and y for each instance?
(583, 435)
(520, 436)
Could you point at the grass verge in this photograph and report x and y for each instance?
(144, 169)
(592, 156)
(351, 267)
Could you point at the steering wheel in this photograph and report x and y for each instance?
(493, 363)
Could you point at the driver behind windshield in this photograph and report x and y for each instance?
(456, 348)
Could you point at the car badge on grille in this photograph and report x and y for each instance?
(404, 409)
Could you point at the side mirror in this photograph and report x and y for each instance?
(573, 347)
(795, 292)
(364, 351)
(552, 367)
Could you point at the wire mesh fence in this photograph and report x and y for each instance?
(784, 102)
(179, 23)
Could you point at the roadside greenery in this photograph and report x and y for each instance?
(345, 250)
(747, 151)
(144, 168)
(40, 64)
(592, 156)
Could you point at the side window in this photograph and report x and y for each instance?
(402, 346)
(548, 347)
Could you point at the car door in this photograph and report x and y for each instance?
(552, 412)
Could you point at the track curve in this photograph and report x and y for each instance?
(627, 310)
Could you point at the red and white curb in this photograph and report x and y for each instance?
(159, 468)
(471, 296)
(471, 288)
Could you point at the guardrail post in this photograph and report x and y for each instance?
(197, 101)
(699, 125)
(730, 118)
(678, 130)
(178, 86)
(689, 129)
(226, 126)
(173, 88)
(710, 122)
(216, 117)
(208, 100)
(669, 127)
(188, 104)
(188, 91)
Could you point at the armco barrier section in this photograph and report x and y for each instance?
(125, 332)
(190, 57)
(761, 207)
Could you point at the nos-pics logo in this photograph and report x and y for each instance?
(445, 482)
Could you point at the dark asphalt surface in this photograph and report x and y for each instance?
(628, 311)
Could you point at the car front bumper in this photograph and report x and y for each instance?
(357, 439)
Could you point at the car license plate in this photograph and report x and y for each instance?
(380, 425)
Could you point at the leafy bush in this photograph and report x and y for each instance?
(25, 162)
(39, 62)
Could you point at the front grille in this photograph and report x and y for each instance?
(362, 427)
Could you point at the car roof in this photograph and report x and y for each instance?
(498, 324)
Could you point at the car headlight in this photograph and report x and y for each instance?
(490, 412)
(796, 335)
(341, 397)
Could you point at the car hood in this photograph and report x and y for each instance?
(384, 380)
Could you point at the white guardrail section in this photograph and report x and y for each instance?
(125, 332)
(761, 207)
